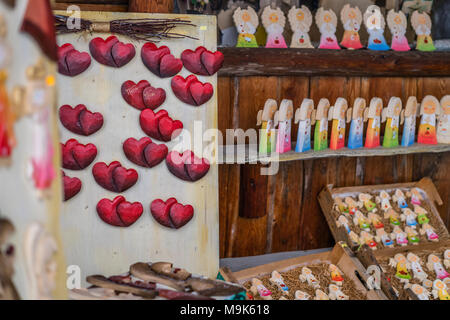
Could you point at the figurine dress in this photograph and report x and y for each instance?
(351, 40)
(321, 135)
(355, 137)
(400, 43)
(377, 41)
(427, 130)
(409, 131)
(337, 139)
(284, 136)
(390, 138)
(303, 136)
(373, 133)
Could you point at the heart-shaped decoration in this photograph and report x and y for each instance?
(71, 186)
(144, 152)
(80, 120)
(187, 166)
(160, 61)
(191, 91)
(142, 95)
(77, 156)
(171, 213)
(159, 125)
(201, 61)
(72, 62)
(119, 212)
(114, 177)
(111, 52)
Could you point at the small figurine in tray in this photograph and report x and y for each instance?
(352, 205)
(304, 116)
(373, 113)
(429, 108)
(422, 217)
(339, 115)
(384, 238)
(366, 199)
(355, 137)
(301, 295)
(336, 275)
(277, 279)
(335, 293)
(415, 195)
(412, 235)
(259, 288)
(320, 295)
(421, 292)
(300, 20)
(393, 217)
(342, 221)
(375, 220)
(447, 258)
(443, 129)
(360, 220)
(267, 132)
(401, 238)
(400, 198)
(416, 266)
(409, 217)
(308, 276)
(367, 238)
(340, 206)
(429, 231)
(434, 263)
(283, 119)
(440, 290)
(321, 128)
(392, 114)
(384, 200)
(402, 267)
(409, 126)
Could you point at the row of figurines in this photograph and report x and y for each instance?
(434, 124)
(412, 262)
(300, 19)
(334, 289)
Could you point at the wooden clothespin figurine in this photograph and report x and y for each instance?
(373, 113)
(339, 115)
(300, 20)
(421, 23)
(304, 116)
(443, 129)
(397, 25)
(326, 20)
(351, 19)
(274, 21)
(267, 134)
(355, 137)
(246, 21)
(429, 109)
(392, 115)
(282, 119)
(374, 21)
(301, 295)
(409, 127)
(321, 129)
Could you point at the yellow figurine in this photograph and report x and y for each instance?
(440, 290)
(336, 276)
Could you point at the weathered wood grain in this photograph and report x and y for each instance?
(155, 6)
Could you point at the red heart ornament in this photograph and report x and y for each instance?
(186, 165)
(212, 61)
(142, 95)
(77, 156)
(111, 52)
(71, 186)
(80, 120)
(159, 60)
(144, 152)
(119, 212)
(201, 61)
(114, 177)
(72, 62)
(180, 215)
(159, 125)
(171, 213)
(191, 91)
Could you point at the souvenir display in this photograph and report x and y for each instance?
(267, 133)
(300, 20)
(421, 24)
(351, 19)
(304, 116)
(326, 21)
(374, 22)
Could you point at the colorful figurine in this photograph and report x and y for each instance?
(374, 22)
(384, 238)
(354, 238)
(416, 267)
(304, 116)
(421, 214)
(343, 222)
(307, 276)
(326, 20)
(402, 266)
(300, 20)
(267, 132)
(352, 205)
(427, 283)
(367, 238)
(274, 21)
(340, 206)
(301, 295)
(283, 119)
(400, 198)
(443, 129)
(373, 113)
(320, 295)
(447, 258)
(335, 293)
(277, 279)
(360, 220)
(415, 195)
(366, 199)
(411, 234)
(440, 290)
(434, 264)
(401, 238)
(338, 113)
(351, 20)
(321, 128)
(409, 126)
(393, 217)
(383, 199)
(397, 25)
(429, 231)
(355, 137)
(421, 23)
(392, 114)
(336, 275)
(258, 287)
(420, 292)
(375, 220)
(429, 108)
(246, 21)
(410, 217)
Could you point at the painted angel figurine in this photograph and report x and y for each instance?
(412, 235)
(440, 290)
(321, 128)
(360, 220)
(246, 21)
(301, 295)
(401, 238)
(402, 267)
(391, 114)
(352, 205)
(429, 109)
(434, 264)
(443, 129)
(384, 238)
(375, 220)
(339, 116)
(355, 137)
(343, 222)
(421, 23)
(274, 21)
(326, 20)
(320, 295)
(400, 198)
(429, 231)
(373, 113)
(267, 133)
(409, 126)
(283, 119)
(355, 238)
(409, 217)
(258, 287)
(374, 22)
(422, 217)
(336, 275)
(300, 20)
(384, 200)
(420, 292)
(397, 25)
(335, 293)
(366, 199)
(340, 206)
(393, 217)
(415, 195)
(351, 20)
(304, 116)
(367, 238)
(277, 279)
(307, 276)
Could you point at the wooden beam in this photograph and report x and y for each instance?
(154, 6)
(92, 7)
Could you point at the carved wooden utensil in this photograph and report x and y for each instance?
(101, 281)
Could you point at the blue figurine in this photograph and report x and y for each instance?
(409, 127)
(304, 116)
(355, 137)
(375, 24)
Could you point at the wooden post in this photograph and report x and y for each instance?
(154, 6)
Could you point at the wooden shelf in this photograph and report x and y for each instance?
(307, 62)
(248, 153)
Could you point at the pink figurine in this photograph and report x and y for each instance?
(283, 117)
(397, 24)
(273, 21)
(326, 20)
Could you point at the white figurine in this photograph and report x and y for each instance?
(257, 286)
(320, 295)
(384, 238)
(300, 20)
(416, 267)
(400, 198)
(447, 258)
(384, 198)
(429, 231)
(335, 293)
(421, 292)
(434, 264)
(277, 279)
(410, 217)
(301, 295)
(308, 276)
(374, 22)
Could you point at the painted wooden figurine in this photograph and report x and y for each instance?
(416, 266)
(429, 231)
(321, 128)
(304, 116)
(246, 21)
(267, 133)
(301, 295)
(274, 21)
(415, 195)
(342, 221)
(360, 220)
(336, 275)
(384, 238)
(277, 279)
(400, 198)
(402, 267)
(351, 20)
(375, 220)
(258, 287)
(374, 22)
(392, 115)
(367, 238)
(401, 238)
(326, 20)
(409, 217)
(354, 238)
(421, 23)
(339, 115)
(409, 126)
(393, 217)
(283, 119)
(355, 137)
(443, 129)
(447, 258)
(335, 293)
(308, 276)
(341, 206)
(373, 113)
(429, 108)
(412, 235)
(352, 205)
(366, 199)
(422, 217)
(440, 290)
(420, 292)
(320, 295)
(384, 200)
(397, 25)
(434, 264)
(300, 20)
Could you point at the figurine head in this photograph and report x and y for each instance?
(396, 22)
(411, 107)
(373, 19)
(421, 23)
(300, 18)
(351, 18)
(326, 20)
(447, 254)
(427, 283)
(430, 105)
(333, 268)
(445, 105)
(273, 20)
(399, 193)
(276, 275)
(410, 230)
(412, 257)
(380, 232)
(359, 105)
(418, 289)
(270, 107)
(246, 20)
(399, 258)
(342, 220)
(306, 271)
(419, 210)
(384, 195)
(286, 111)
(365, 235)
(439, 284)
(322, 109)
(375, 107)
(301, 295)
(394, 108)
(432, 258)
(408, 212)
(305, 112)
(397, 229)
(320, 295)
(364, 197)
(339, 109)
(416, 192)
(427, 226)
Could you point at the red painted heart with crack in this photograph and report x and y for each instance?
(171, 213)
(71, 186)
(142, 95)
(80, 120)
(77, 156)
(114, 177)
(191, 91)
(111, 52)
(187, 166)
(201, 61)
(160, 61)
(144, 152)
(72, 62)
(119, 212)
(159, 125)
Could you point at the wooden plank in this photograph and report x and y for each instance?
(155, 6)
(309, 62)
(91, 7)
